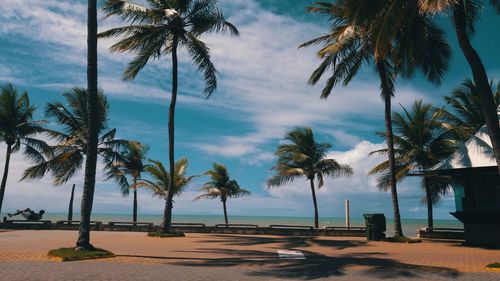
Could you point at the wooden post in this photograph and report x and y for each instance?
(70, 208)
(347, 219)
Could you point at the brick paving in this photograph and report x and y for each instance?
(23, 256)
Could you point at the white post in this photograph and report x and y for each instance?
(347, 219)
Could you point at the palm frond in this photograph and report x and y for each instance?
(200, 53)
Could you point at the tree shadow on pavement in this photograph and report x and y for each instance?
(315, 265)
(285, 242)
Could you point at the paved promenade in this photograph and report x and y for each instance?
(240, 257)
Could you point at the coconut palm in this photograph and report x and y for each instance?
(83, 242)
(130, 163)
(421, 143)
(71, 148)
(465, 14)
(160, 28)
(18, 129)
(160, 185)
(414, 42)
(302, 156)
(463, 117)
(221, 186)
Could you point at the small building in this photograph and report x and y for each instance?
(476, 186)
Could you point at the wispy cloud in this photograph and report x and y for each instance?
(262, 87)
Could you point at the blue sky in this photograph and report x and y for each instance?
(262, 93)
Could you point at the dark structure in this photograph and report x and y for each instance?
(375, 226)
(477, 202)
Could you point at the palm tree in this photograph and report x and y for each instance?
(412, 41)
(221, 186)
(302, 156)
(463, 117)
(71, 148)
(158, 29)
(160, 185)
(17, 128)
(130, 163)
(465, 14)
(421, 144)
(83, 242)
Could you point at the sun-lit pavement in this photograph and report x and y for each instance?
(239, 257)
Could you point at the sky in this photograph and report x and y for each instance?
(262, 94)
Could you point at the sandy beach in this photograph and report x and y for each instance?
(23, 256)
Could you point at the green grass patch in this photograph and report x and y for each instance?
(495, 266)
(166, 234)
(402, 239)
(70, 254)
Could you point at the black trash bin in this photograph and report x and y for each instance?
(375, 226)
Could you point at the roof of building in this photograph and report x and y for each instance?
(477, 152)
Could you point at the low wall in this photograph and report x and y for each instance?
(194, 228)
(441, 233)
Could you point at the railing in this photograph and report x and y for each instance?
(42, 222)
(128, 223)
(236, 225)
(295, 227)
(66, 222)
(344, 228)
(439, 229)
(188, 224)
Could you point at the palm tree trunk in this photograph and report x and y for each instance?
(167, 214)
(387, 91)
(83, 242)
(5, 174)
(70, 208)
(480, 79)
(316, 216)
(225, 212)
(134, 212)
(428, 196)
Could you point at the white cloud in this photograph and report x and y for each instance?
(290, 200)
(263, 84)
(264, 75)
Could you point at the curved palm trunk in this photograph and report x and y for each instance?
(428, 196)
(225, 212)
(134, 211)
(387, 95)
(70, 207)
(480, 79)
(5, 174)
(316, 216)
(167, 213)
(83, 242)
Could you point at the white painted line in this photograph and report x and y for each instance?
(291, 255)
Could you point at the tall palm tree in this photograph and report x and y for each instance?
(302, 156)
(17, 129)
(83, 242)
(160, 29)
(465, 14)
(412, 41)
(221, 186)
(130, 163)
(160, 185)
(463, 117)
(71, 148)
(421, 143)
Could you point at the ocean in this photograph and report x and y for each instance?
(410, 226)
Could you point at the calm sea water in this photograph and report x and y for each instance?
(410, 226)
